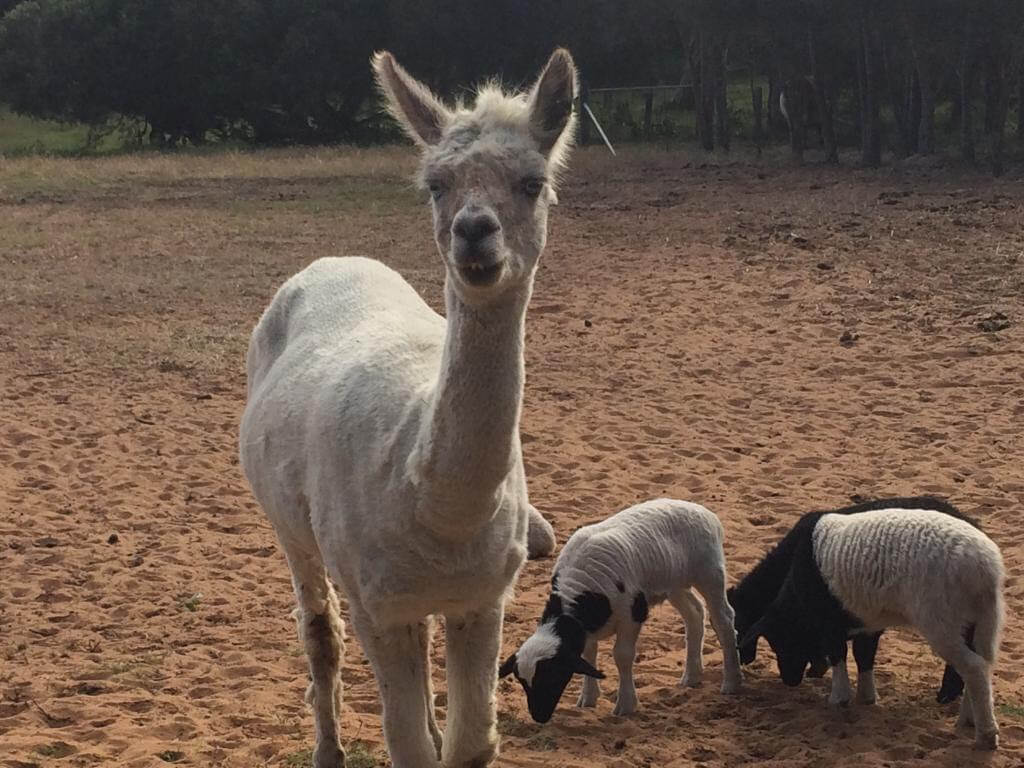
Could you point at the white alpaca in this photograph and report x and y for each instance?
(383, 441)
(606, 578)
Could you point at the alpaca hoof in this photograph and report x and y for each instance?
(730, 687)
(481, 760)
(329, 756)
(841, 699)
(438, 743)
(987, 741)
(624, 710)
(964, 720)
(690, 681)
(866, 699)
(540, 537)
(585, 702)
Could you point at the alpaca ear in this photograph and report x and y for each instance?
(508, 667)
(420, 113)
(581, 666)
(551, 101)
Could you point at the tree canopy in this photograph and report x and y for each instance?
(278, 71)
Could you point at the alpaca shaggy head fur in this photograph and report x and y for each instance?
(491, 169)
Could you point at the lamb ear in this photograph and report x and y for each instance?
(581, 666)
(420, 113)
(508, 667)
(551, 115)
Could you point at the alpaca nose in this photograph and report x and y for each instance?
(474, 226)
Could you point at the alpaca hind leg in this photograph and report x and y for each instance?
(591, 690)
(473, 645)
(723, 621)
(540, 536)
(692, 611)
(322, 633)
(399, 661)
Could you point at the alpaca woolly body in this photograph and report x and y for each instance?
(918, 568)
(606, 578)
(756, 591)
(382, 440)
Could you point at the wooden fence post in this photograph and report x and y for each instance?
(757, 94)
(584, 118)
(648, 109)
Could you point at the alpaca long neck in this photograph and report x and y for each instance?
(470, 436)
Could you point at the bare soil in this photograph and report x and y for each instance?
(763, 340)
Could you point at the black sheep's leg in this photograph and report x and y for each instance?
(841, 694)
(864, 649)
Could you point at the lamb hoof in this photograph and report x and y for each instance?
(540, 537)
(329, 756)
(987, 741)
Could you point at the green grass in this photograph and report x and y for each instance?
(20, 135)
(357, 755)
(57, 749)
(1014, 710)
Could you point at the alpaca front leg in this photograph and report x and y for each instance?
(591, 690)
(624, 653)
(400, 663)
(474, 642)
(426, 632)
(321, 631)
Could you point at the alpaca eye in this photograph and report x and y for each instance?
(533, 187)
(436, 190)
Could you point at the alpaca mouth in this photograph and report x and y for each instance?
(479, 275)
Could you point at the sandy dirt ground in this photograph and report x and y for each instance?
(764, 340)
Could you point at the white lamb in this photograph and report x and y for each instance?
(605, 579)
(864, 572)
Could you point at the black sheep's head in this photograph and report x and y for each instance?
(546, 662)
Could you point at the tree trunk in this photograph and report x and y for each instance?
(828, 129)
(701, 87)
(926, 72)
(967, 89)
(1020, 109)
(926, 125)
(757, 102)
(722, 127)
(897, 97)
(795, 113)
(914, 112)
(773, 104)
(871, 124)
(1002, 62)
